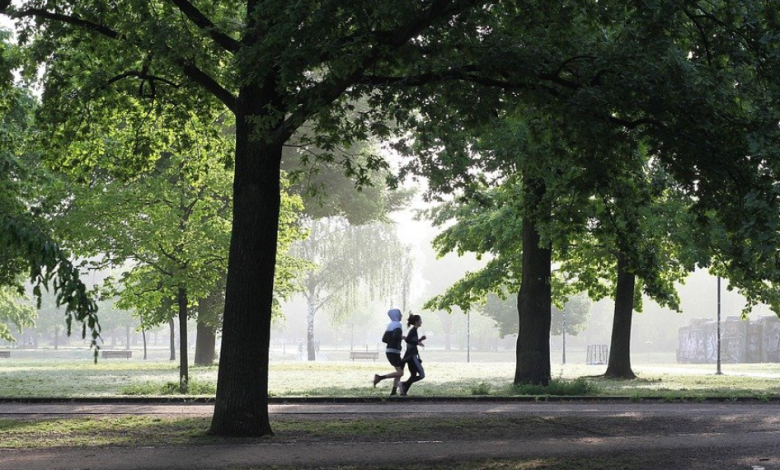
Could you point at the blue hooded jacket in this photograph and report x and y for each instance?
(394, 332)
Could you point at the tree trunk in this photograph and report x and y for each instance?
(143, 332)
(208, 314)
(619, 365)
(241, 407)
(204, 344)
(534, 301)
(127, 335)
(311, 353)
(172, 326)
(184, 373)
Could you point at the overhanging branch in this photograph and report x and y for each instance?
(189, 69)
(72, 20)
(205, 24)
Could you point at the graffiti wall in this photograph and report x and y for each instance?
(742, 341)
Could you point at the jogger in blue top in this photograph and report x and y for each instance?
(393, 336)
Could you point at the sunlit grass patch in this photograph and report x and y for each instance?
(194, 387)
(82, 378)
(97, 431)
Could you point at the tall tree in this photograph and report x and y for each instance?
(180, 55)
(605, 98)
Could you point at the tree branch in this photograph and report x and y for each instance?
(72, 20)
(189, 69)
(208, 83)
(141, 75)
(205, 24)
(331, 88)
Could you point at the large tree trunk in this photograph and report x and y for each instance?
(204, 344)
(184, 373)
(241, 407)
(619, 365)
(534, 301)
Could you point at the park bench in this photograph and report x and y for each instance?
(5, 353)
(373, 355)
(125, 354)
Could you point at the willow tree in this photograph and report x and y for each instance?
(348, 261)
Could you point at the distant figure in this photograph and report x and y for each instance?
(317, 345)
(393, 337)
(412, 356)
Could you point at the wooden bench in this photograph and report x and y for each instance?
(126, 354)
(5, 353)
(364, 355)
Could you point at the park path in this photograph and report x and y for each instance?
(658, 435)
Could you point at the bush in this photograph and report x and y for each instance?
(557, 387)
(482, 388)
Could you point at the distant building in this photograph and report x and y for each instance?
(742, 341)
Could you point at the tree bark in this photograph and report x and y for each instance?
(241, 407)
(311, 354)
(184, 373)
(204, 344)
(172, 327)
(619, 365)
(534, 300)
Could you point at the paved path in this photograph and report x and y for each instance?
(652, 436)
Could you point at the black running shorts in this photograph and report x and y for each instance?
(395, 359)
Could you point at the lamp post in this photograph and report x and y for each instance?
(718, 371)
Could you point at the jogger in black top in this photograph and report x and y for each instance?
(412, 356)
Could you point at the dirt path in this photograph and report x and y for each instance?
(636, 436)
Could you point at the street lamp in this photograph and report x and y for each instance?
(718, 371)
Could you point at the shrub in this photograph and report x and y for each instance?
(482, 388)
(557, 387)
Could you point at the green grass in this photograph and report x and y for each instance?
(590, 463)
(74, 374)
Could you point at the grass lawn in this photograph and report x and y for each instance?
(69, 373)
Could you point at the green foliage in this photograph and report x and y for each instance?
(504, 312)
(14, 312)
